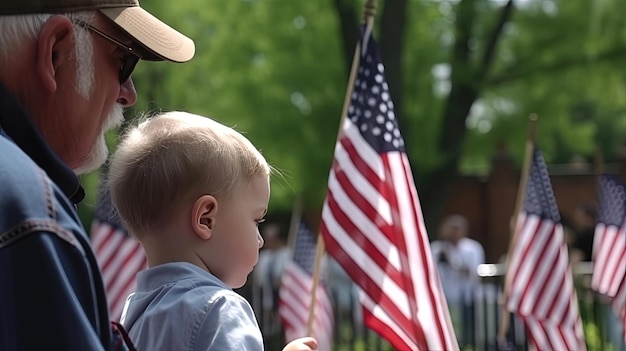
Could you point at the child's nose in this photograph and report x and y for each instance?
(261, 241)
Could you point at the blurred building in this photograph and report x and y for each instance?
(488, 201)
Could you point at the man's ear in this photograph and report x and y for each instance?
(203, 215)
(55, 47)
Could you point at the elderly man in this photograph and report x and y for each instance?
(65, 69)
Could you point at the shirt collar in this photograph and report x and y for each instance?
(17, 124)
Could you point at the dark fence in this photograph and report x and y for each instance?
(603, 331)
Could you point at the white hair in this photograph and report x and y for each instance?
(14, 29)
(85, 73)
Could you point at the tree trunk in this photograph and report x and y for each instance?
(467, 83)
(392, 33)
(348, 25)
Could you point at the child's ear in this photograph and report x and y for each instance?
(203, 215)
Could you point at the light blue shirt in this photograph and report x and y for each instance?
(179, 306)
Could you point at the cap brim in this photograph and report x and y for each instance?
(161, 40)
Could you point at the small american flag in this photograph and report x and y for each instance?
(609, 246)
(372, 221)
(119, 255)
(539, 286)
(296, 287)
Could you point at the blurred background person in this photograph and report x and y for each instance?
(583, 223)
(345, 296)
(273, 258)
(457, 258)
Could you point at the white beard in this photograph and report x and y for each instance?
(99, 152)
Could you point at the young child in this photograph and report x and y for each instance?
(193, 192)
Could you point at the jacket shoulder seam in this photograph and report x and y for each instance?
(30, 227)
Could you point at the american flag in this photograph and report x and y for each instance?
(539, 286)
(119, 255)
(296, 287)
(372, 222)
(609, 247)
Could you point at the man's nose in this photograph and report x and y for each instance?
(128, 94)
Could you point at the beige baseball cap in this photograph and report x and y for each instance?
(161, 40)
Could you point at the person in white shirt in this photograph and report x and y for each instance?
(457, 258)
(273, 259)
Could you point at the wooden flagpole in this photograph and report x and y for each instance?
(521, 196)
(369, 14)
(319, 252)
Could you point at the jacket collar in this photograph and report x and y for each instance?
(17, 124)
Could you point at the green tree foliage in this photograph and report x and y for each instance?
(464, 76)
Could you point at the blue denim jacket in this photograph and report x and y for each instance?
(51, 291)
(179, 306)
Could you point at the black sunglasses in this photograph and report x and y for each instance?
(128, 63)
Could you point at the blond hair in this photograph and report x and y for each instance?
(175, 157)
